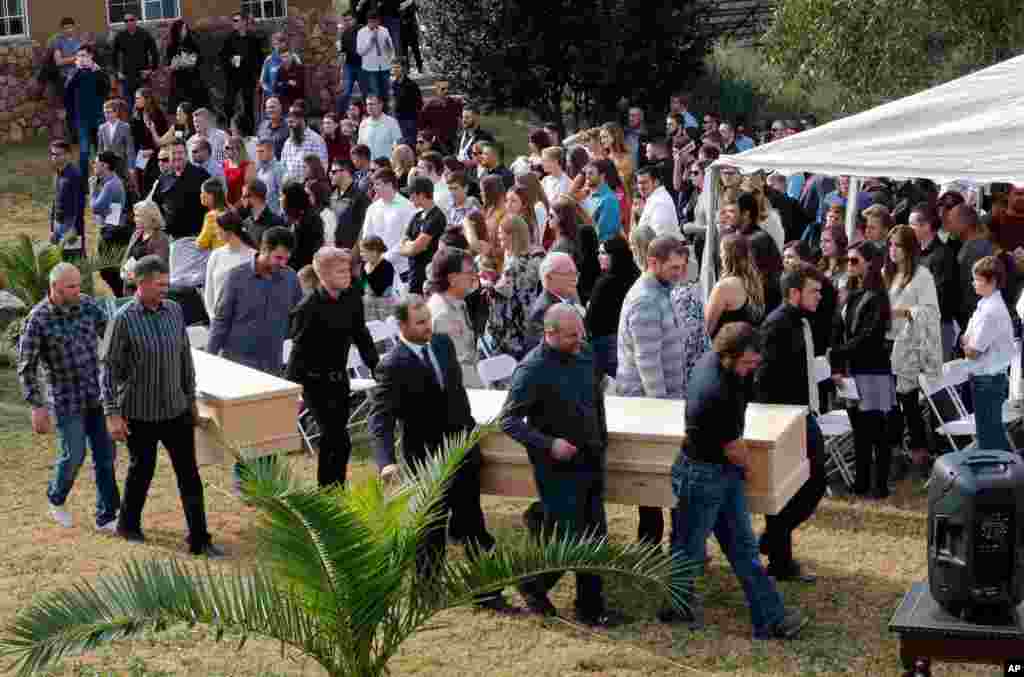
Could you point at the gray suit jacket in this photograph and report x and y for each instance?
(117, 138)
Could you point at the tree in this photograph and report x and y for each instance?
(337, 578)
(517, 53)
(877, 50)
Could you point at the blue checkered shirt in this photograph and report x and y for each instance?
(64, 342)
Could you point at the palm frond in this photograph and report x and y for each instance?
(151, 596)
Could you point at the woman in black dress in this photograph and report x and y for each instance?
(606, 302)
(185, 60)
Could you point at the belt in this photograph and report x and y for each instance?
(329, 376)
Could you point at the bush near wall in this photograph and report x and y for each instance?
(29, 109)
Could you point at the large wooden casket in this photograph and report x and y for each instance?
(248, 408)
(644, 436)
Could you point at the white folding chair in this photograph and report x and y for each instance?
(837, 431)
(384, 334)
(198, 336)
(495, 369)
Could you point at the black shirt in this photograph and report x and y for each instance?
(783, 378)
(348, 48)
(941, 262)
(716, 407)
(256, 227)
(406, 99)
(432, 222)
(135, 52)
(381, 278)
(323, 329)
(247, 46)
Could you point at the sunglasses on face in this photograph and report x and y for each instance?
(163, 159)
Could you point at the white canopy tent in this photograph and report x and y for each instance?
(969, 128)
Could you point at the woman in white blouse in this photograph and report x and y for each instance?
(238, 248)
(989, 346)
(915, 331)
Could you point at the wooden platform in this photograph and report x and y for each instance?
(252, 409)
(644, 439)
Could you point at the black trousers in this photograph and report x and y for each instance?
(464, 517)
(191, 302)
(872, 448)
(411, 41)
(909, 417)
(245, 86)
(651, 526)
(778, 533)
(330, 403)
(178, 437)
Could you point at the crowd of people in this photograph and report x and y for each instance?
(578, 259)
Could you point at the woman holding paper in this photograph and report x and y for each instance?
(149, 238)
(862, 366)
(915, 333)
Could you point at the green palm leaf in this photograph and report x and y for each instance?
(337, 578)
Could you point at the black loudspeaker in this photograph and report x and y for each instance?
(976, 532)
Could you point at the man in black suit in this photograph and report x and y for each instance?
(786, 377)
(256, 216)
(420, 384)
(177, 193)
(558, 277)
(471, 134)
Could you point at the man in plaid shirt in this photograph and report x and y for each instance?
(62, 335)
(301, 142)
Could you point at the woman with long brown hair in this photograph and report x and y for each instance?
(563, 224)
(613, 140)
(517, 203)
(338, 145)
(492, 195)
(915, 332)
(511, 296)
(535, 197)
(185, 59)
(738, 296)
(403, 159)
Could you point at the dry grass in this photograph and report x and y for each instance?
(867, 554)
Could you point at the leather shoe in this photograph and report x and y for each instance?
(211, 551)
(793, 572)
(499, 605)
(609, 618)
(131, 536)
(788, 628)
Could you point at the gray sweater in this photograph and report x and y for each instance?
(650, 344)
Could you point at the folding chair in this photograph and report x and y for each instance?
(837, 431)
(384, 334)
(496, 369)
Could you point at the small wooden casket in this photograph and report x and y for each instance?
(252, 410)
(644, 436)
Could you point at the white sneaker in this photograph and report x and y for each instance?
(62, 516)
(110, 527)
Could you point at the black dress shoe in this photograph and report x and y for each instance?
(792, 572)
(129, 535)
(538, 604)
(881, 493)
(609, 618)
(210, 551)
(788, 628)
(499, 605)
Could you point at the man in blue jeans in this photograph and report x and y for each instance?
(352, 63)
(61, 335)
(84, 93)
(708, 481)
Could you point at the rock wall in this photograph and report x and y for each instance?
(29, 109)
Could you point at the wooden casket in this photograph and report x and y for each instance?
(644, 437)
(244, 408)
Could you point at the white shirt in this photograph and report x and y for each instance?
(381, 135)
(660, 214)
(990, 332)
(773, 226)
(389, 221)
(330, 225)
(293, 156)
(218, 139)
(443, 197)
(221, 262)
(554, 186)
(375, 57)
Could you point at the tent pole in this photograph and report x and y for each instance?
(851, 208)
(709, 260)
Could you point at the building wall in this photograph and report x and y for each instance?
(28, 109)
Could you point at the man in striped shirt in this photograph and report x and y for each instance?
(301, 142)
(61, 335)
(650, 346)
(149, 396)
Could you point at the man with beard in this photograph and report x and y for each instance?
(471, 134)
(603, 205)
(301, 142)
(177, 193)
(273, 126)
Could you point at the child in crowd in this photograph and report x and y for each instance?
(379, 277)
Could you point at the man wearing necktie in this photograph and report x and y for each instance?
(786, 376)
(420, 384)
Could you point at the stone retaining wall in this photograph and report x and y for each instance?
(28, 109)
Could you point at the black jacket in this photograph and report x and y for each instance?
(861, 346)
(134, 53)
(323, 329)
(350, 209)
(407, 99)
(941, 262)
(178, 197)
(782, 378)
(309, 237)
(250, 48)
(794, 219)
(407, 391)
(256, 227)
(606, 301)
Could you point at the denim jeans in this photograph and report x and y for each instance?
(350, 75)
(73, 432)
(378, 83)
(989, 393)
(712, 498)
(573, 504)
(605, 354)
(87, 131)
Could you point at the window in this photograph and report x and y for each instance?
(264, 9)
(144, 10)
(12, 18)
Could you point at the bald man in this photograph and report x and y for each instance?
(62, 334)
(555, 408)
